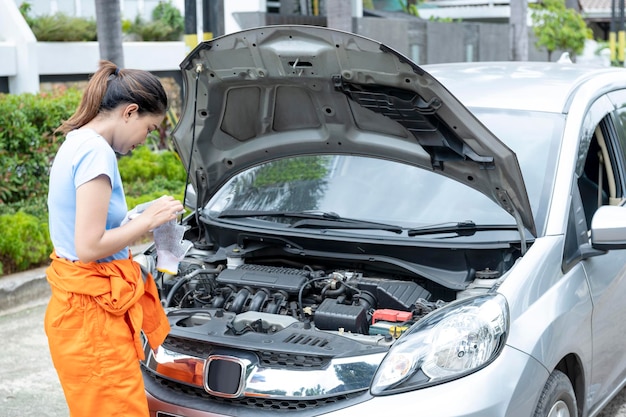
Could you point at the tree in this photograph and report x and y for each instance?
(559, 27)
(410, 7)
(109, 27)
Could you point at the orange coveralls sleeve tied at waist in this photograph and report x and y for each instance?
(93, 322)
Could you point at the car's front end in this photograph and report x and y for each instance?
(353, 224)
(471, 396)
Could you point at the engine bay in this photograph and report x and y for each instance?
(262, 307)
(264, 293)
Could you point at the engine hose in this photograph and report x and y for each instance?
(182, 281)
(367, 300)
(300, 304)
(327, 292)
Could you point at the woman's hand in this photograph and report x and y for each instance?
(162, 210)
(93, 241)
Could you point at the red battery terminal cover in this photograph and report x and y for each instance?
(391, 315)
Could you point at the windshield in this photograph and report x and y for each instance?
(388, 192)
(535, 137)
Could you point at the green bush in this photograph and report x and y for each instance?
(24, 242)
(148, 175)
(63, 28)
(167, 24)
(60, 27)
(28, 145)
(27, 149)
(153, 31)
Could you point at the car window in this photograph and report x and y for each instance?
(593, 180)
(619, 122)
(535, 138)
(600, 166)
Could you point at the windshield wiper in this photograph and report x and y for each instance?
(466, 228)
(313, 219)
(233, 214)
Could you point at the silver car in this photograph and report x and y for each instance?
(373, 237)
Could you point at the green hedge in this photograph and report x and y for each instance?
(27, 149)
(59, 27)
(148, 174)
(24, 242)
(167, 24)
(27, 146)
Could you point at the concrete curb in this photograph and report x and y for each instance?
(23, 288)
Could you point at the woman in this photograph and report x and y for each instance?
(100, 300)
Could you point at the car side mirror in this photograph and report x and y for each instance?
(608, 228)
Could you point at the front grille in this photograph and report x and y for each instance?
(306, 340)
(251, 402)
(267, 358)
(271, 359)
(187, 347)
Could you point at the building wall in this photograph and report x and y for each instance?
(423, 41)
(427, 42)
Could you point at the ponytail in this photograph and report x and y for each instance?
(111, 86)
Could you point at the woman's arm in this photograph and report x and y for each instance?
(91, 238)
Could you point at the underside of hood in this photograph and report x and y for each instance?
(272, 92)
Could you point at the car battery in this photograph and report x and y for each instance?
(332, 315)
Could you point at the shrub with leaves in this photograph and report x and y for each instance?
(558, 27)
(167, 13)
(167, 24)
(27, 149)
(148, 175)
(60, 27)
(28, 145)
(410, 7)
(24, 242)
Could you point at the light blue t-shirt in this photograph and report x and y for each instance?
(83, 156)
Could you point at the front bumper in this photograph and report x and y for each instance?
(508, 387)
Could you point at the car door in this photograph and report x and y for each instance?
(600, 181)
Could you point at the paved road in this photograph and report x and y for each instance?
(617, 407)
(28, 382)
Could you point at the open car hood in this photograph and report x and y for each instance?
(272, 92)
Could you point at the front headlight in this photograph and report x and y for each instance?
(451, 342)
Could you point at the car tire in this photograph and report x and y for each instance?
(557, 398)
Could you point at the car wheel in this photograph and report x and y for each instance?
(557, 398)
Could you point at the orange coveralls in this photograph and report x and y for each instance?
(93, 323)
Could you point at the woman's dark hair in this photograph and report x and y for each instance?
(111, 86)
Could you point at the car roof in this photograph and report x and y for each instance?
(537, 86)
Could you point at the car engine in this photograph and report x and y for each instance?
(335, 300)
